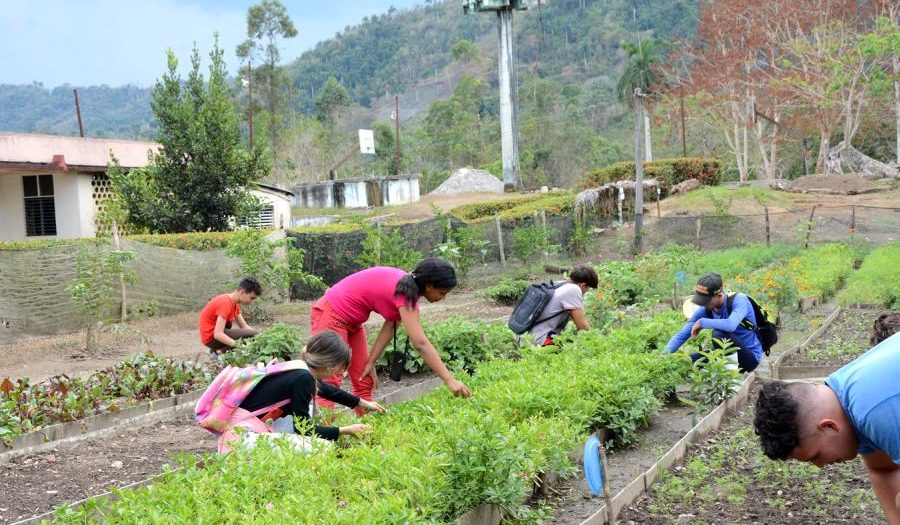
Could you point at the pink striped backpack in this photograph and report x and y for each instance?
(230, 388)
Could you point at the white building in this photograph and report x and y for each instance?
(51, 187)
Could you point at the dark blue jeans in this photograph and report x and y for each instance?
(747, 360)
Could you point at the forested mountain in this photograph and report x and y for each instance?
(120, 112)
(568, 40)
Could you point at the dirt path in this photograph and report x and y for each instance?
(176, 336)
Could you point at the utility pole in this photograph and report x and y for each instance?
(397, 129)
(507, 76)
(250, 101)
(683, 130)
(639, 171)
(78, 113)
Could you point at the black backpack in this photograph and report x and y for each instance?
(527, 312)
(766, 331)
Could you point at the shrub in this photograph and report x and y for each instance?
(529, 242)
(280, 341)
(557, 203)
(667, 172)
(507, 291)
(197, 241)
(386, 247)
(877, 281)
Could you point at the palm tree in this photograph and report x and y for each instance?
(640, 72)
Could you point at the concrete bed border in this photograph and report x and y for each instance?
(490, 514)
(777, 364)
(72, 431)
(642, 483)
(407, 393)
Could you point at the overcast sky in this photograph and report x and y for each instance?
(116, 42)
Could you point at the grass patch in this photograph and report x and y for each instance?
(877, 282)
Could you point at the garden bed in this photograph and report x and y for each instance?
(34, 483)
(727, 479)
(844, 339)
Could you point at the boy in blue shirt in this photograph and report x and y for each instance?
(733, 320)
(856, 411)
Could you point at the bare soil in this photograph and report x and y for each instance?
(846, 338)
(727, 479)
(176, 336)
(836, 185)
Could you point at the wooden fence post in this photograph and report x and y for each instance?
(852, 221)
(809, 225)
(546, 234)
(699, 227)
(768, 238)
(500, 239)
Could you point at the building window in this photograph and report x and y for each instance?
(40, 209)
(265, 220)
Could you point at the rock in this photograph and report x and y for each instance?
(116, 464)
(469, 180)
(685, 186)
(843, 159)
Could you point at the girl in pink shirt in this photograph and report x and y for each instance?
(393, 294)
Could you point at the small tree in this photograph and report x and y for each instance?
(260, 259)
(387, 247)
(99, 271)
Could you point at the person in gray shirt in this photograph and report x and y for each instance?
(567, 303)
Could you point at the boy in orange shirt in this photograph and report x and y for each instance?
(217, 317)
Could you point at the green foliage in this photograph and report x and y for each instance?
(464, 51)
(530, 242)
(280, 341)
(331, 100)
(667, 172)
(507, 292)
(258, 259)
(714, 377)
(877, 281)
(521, 207)
(580, 236)
(25, 406)
(462, 247)
(39, 244)
(454, 126)
(198, 179)
(195, 241)
(387, 247)
(641, 69)
(100, 272)
(266, 23)
(462, 344)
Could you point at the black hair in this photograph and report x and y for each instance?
(776, 420)
(434, 271)
(584, 275)
(326, 349)
(250, 285)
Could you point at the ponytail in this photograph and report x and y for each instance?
(434, 271)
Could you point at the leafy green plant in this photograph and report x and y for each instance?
(462, 247)
(507, 292)
(714, 377)
(530, 242)
(580, 236)
(877, 281)
(258, 259)
(100, 271)
(27, 406)
(387, 247)
(280, 341)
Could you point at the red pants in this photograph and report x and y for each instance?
(322, 317)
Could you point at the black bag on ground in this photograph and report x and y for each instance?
(765, 328)
(527, 312)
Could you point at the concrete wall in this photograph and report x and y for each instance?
(281, 205)
(12, 207)
(73, 202)
(357, 193)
